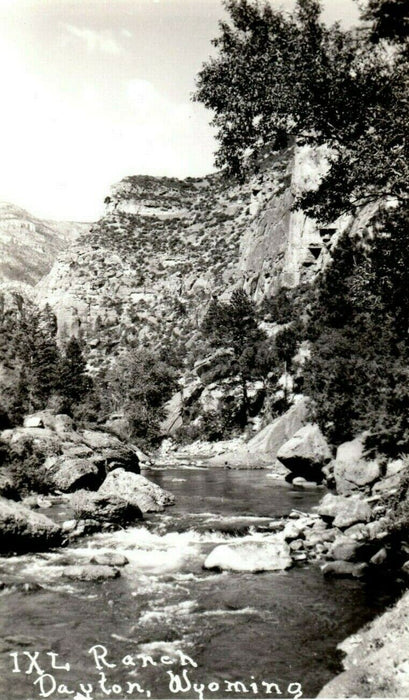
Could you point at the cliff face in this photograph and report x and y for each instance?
(148, 268)
(29, 246)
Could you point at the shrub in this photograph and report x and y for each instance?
(396, 507)
(24, 462)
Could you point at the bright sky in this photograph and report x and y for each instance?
(93, 90)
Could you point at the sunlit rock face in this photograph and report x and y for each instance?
(147, 270)
(283, 247)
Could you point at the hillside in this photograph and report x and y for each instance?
(147, 270)
(29, 246)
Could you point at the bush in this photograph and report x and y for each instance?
(24, 461)
(278, 308)
(396, 507)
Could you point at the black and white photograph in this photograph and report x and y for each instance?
(204, 349)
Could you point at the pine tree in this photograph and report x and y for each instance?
(233, 326)
(19, 404)
(74, 383)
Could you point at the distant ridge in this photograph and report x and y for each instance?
(29, 245)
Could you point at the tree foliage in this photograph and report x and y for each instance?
(357, 373)
(74, 382)
(29, 355)
(139, 385)
(279, 76)
(234, 326)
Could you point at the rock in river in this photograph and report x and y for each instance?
(136, 490)
(250, 556)
(90, 572)
(110, 559)
(344, 511)
(104, 508)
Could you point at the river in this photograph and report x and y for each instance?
(219, 628)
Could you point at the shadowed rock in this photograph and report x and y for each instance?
(22, 529)
(69, 474)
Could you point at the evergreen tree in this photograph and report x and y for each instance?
(19, 401)
(74, 383)
(233, 326)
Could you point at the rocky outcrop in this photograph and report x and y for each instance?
(261, 451)
(72, 459)
(306, 453)
(136, 490)
(22, 529)
(272, 555)
(283, 247)
(376, 662)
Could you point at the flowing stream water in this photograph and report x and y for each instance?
(166, 618)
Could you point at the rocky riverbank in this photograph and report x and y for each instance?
(48, 461)
(376, 659)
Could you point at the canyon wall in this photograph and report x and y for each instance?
(147, 270)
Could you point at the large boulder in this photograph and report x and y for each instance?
(104, 508)
(250, 556)
(120, 426)
(346, 549)
(344, 511)
(261, 451)
(351, 471)
(75, 449)
(136, 490)
(60, 423)
(306, 453)
(110, 452)
(120, 456)
(99, 440)
(24, 530)
(43, 440)
(71, 473)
